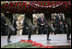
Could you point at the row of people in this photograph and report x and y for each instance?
(43, 28)
(60, 25)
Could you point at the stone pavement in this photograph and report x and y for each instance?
(56, 40)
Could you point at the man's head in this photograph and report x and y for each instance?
(42, 15)
(62, 15)
(22, 17)
(19, 19)
(55, 14)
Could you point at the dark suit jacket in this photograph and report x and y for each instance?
(24, 28)
(3, 21)
(62, 20)
(57, 19)
(39, 21)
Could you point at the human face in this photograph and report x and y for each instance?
(42, 16)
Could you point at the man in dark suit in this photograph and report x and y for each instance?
(62, 23)
(68, 28)
(25, 28)
(42, 24)
(57, 25)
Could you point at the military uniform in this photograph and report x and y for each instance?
(10, 27)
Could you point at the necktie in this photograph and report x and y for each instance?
(42, 20)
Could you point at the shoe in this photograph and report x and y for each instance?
(55, 33)
(48, 39)
(9, 41)
(68, 39)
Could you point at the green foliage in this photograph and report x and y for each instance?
(20, 45)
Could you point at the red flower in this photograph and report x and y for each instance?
(45, 1)
(37, 44)
(32, 1)
(35, 1)
(10, 6)
(11, 3)
(29, 41)
(20, 3)
(42, 45)
(69, 1)
(22, 7)
(14, 2)
(16, 5)
(42, 1)
(39, 2)
(23, 40)
(19, 6)
(48, 2)
(34, 42)
(23, 3)
(25, 6)
(49, 47)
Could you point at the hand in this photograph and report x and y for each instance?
(6, 24)
(42, 24)
(26, 27)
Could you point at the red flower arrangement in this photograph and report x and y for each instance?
(22, 5)
(37, 44)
